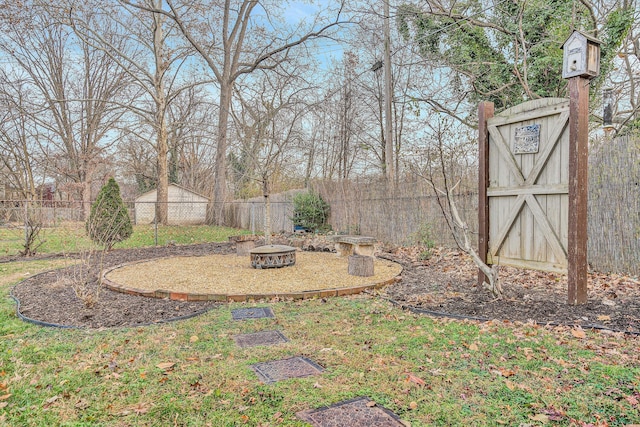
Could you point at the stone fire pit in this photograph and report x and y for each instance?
(272, 256)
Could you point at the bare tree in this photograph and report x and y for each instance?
(234, 41)
(623, 81)
(191, 135)
(269, 123)
(76, 92)
(18, 138)
(445, 166)
(154, 58)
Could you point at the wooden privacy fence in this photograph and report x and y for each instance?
(249, 213)
(413, 211)
(411, 214)
(614, 205)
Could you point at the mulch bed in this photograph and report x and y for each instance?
(445, 283)
(48, 297)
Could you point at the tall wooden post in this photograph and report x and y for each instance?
(581, 62)
(578, 189)
(485, 112)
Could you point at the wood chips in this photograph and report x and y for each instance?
(232, 274)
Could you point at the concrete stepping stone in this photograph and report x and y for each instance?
(293, 367)
(264, 338)
(252, 313)
(359, 412)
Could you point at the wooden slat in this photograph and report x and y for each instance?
(533, 265)
(558, 128)
(549, 234)
(500, 120)
(528, 189)
(505, 152)
(506, 225)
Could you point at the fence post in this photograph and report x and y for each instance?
(578, 189)
(26, 222)
(485, 112)
(155, 223)
(253, 218)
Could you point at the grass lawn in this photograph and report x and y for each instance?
(428, 371)
(191, 373)
(71, 237)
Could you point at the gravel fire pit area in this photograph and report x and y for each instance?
(222, 277)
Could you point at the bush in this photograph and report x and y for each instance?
(310, 212)
(109, 221)
(423, 237)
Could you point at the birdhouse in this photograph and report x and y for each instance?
(581, 56)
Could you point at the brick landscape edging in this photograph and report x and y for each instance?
(187, 296)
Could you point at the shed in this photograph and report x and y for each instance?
(185, 207)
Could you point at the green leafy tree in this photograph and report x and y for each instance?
(507, 52)
(310, 211)
(109, 221)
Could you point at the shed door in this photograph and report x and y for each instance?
(529, 185)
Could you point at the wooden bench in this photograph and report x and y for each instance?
(354, 245)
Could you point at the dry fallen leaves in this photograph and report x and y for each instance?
(166, 366)
(540, 418)
(633, 400)
(578, 332)
(415, 379)
(503, 372)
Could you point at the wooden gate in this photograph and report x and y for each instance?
(528, 185)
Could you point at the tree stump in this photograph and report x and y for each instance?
(244, 247)
(360, 265)
(244, 244)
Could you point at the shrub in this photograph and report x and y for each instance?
(423, 237)
(310, 212)
(109, 221)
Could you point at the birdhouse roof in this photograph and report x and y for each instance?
(580, 33)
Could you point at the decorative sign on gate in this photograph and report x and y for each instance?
(527, 139)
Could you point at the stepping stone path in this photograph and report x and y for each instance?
(252, 313)
(293, 367)
(260, 338)
(359, 412)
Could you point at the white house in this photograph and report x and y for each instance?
(185, 207)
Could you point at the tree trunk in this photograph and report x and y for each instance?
(220, 171)
(388, 98)
(86, 196)
(162, 192)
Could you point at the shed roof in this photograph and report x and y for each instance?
(150, 192)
